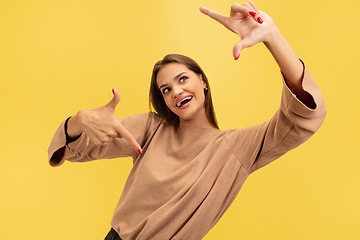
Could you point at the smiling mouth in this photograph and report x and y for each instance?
(184, 101)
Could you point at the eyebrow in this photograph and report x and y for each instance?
(176, 77)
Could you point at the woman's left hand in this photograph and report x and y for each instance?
(252, 25)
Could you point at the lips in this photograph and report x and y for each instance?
(183, 102)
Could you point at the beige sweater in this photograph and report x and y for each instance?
(186, 179)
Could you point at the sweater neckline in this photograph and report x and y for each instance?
(189, 125)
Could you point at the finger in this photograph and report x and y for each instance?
(114, 101)
(214, 15)
(129, 137)
(112, 133)
(104, 140)
(257, 18)
(249, 7)
(99, 141)
(246, 42)
(237, 8)
(253, 6)
(99, 138)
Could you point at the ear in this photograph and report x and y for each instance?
(205, 86)
(204, 82)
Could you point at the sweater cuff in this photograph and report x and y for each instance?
(292, 103)
(68, 138)
(296, 110)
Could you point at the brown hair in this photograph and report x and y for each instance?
(156, 98)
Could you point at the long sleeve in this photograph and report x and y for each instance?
(292, 125)
(83, 149)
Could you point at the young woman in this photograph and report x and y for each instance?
(186, 171)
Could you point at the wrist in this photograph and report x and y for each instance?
(273, 38)
(73, 129)
(285, 57)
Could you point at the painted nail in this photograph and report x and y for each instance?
(113, 90)
(237, 57)
(253, 14)
(260, 20)
(139, 151)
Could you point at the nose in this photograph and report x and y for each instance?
(177, 92)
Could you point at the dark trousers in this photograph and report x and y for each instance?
(112, 235)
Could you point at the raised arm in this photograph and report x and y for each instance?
(254, 26)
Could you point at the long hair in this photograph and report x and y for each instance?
(156, 99)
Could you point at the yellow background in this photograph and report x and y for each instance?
(57, 57)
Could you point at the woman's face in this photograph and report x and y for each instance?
(183, 92)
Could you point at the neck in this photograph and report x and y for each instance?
(200, 120)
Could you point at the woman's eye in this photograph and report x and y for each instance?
(165, 90)
(183, 79)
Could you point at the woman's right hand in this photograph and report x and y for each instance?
(101, 125)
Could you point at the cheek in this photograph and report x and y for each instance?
(203, 98)
(168, 102)
(201, 93)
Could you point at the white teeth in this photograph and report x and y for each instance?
(180, 103)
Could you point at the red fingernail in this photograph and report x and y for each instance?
(253, 14)
(139, 151)
(260, 20)
(237, 57)
(113, 90)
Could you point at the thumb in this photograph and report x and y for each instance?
(246, 42)
(114, 101)
(236, 50)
